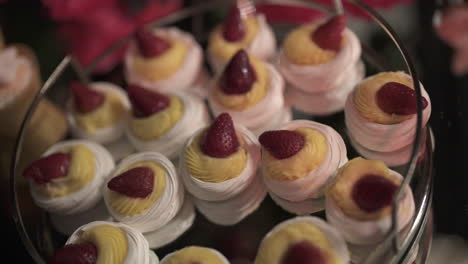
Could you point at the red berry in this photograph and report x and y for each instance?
(329, 35)
(136, 183)
(145, 102)
(151, 45)
(238, 76)
(85, 253)
(282, 144)
(399, 99)
(303, 253)
(233, 28)
(48, 168)
(220, 139)
(373, 192)
(86, 100)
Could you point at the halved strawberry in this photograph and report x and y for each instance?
(145, 102)
(233, 27)
(149, 44)
(238, 76)
(282, 144)
(329, 35)
(397, 98)
(136, 183)
(86, 99)
(48, 168)
(303, 252)
(85, 253)
(220, 139)
(373, 192)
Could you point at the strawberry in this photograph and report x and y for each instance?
(48, 168)
(238, 76)
(85, 253)
(233, 28)
(86, 100)
(399, 99)
(282, 144)
(329, 35)
(136, 183)
(372, 192)
(220, 139)
(303, 253)
(145, 102)
(149, 44)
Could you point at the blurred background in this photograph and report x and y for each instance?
(435, 33)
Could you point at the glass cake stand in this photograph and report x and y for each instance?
(239, 242)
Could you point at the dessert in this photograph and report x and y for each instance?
(321, 63)
(98, 111)
(305, 239)
(166, 60)
(67, 181)
(298, 162)
(238, 31)
(163, 122)
(359, 201)
(251, 91)
(219, 169)
(144, 192)
(195, 254)
(381, 116)
(105, 243)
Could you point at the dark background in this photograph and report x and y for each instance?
(27, 22)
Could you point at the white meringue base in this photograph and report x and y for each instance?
(67, 224)
(369, 232)
(233, 210)
(103, 135)
(175, 228)
(305, 207)
(216, 252)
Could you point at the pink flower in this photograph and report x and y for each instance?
(88, 27)
(452, 27)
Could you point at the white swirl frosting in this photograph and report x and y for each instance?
(138, 250)
(10, 63)
(211, 191)
(164, 208)
(88, 196)
(107, 134)
(195, 116)
(184, 78)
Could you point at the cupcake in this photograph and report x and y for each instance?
(305, 239)
(250, 32)
(321, 63)
(195, 254)
(298, 162)
(144, 192)
(166, 60)
(67, 182)
(162, 122)
(219, 169)
(105, 242)
(359, 201)
(19, 83)
(380, 117)
(251, 91)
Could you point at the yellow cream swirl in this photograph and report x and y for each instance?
(111, 243)
(129, 206)
(158, 124)
(194, 254)
(298, 166)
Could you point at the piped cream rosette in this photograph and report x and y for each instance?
(263, 46)
(88, 196)
(365, 232)
(305, 196)
(270, 113)
(273, 253)
(212, 191)
(164, 208)
(195, 116)
(189, 77)
(137, 246)
(195, 254)
(107, 134)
